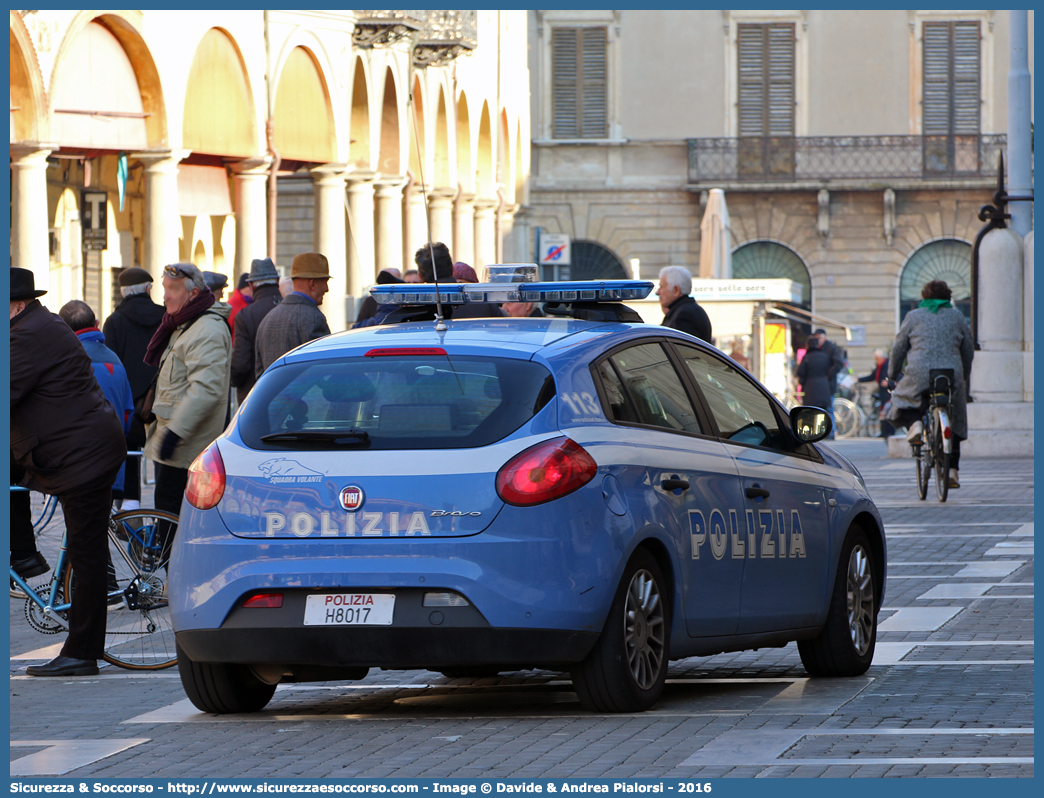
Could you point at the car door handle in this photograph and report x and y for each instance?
(675, 484)
(756, 492)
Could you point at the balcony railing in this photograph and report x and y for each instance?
(385, 27)
(446, 35)
(791, 159)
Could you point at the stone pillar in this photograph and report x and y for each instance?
(415, 224)
(485, 234)
(440, 203)
(162, 221)
(464, 228)
(328, 181)
(997, 373)
(1020, 137)
(360, 232)
(250, 179)
(388, 201)
(29, 216)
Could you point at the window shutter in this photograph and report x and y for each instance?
(765, 101)
(564, 78)
(579, 107)
(951, 91)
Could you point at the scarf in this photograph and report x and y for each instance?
(192, 309)
(933, 305)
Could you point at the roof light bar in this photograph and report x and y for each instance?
(464, 293)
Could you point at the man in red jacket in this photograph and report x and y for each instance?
(67, 439)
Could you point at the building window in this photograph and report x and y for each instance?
(951, 96)
(579, 95)
(948, 260)
(765, 101)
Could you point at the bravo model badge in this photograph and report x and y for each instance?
(351, 498)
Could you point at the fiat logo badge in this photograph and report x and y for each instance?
(351, 498)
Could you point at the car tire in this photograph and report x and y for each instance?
(845, 646)
(222, 688)
(626, 669)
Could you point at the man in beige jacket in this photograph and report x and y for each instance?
(192, 348)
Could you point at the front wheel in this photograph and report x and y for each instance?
(223, 688)
(942, 458)
(845, 645)
(847, 418)
(626, 669)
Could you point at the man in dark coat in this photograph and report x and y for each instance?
(127, 333)
(297, 320)
(680, 311)
(263, 282)
(66, 437)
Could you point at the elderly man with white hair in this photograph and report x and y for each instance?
(192, 348)
(681, 312)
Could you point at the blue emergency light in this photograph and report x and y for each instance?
(464, 293)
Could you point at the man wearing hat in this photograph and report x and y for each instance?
(217, 283)
(297, 320)
(127, 332)
(66, 441)
(263, 282)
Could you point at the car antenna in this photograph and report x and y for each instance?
(440, 324)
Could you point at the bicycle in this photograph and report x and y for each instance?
(933, 452)
(138, 634)
(849, 418)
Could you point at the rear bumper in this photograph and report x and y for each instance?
(396, 647)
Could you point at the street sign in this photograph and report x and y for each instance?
(94, 212)
(554, 249)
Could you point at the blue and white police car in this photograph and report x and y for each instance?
(580, 492)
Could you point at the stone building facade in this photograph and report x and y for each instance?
(855, 148)
(196, 135)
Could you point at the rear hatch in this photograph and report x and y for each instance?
(406, 443)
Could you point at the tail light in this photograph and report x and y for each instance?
(206, 479)
(947, 432)
(547, 471)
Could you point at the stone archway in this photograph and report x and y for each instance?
(304, 122)
(947, 259)
(219, 116)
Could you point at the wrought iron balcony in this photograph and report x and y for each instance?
(445, 35)
(845, 159)
(385, 27)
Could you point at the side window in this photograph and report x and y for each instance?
(655, 389)
(743, 413)
(620, 407)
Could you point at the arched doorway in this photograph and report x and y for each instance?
(593, 261)
(219, 106)
(947, 259)
(304, 126)
(767, 260)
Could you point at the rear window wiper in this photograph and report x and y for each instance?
(343, 437)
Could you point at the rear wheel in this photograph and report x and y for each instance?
(923, 460)
(626, 669)
(845, 646)
(847, 417)
(941, 457)
(222, 688)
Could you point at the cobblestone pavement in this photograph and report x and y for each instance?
(950, 692)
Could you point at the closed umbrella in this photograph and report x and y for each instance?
(716, 238)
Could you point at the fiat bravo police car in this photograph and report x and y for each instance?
(580, 492)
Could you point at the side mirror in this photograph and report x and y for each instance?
(810, 424)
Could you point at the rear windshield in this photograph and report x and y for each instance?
(418, 402)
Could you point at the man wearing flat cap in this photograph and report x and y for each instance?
(297, 320)
(67, 441)
(127, 332)
(264, 286)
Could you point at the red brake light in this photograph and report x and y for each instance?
(265, 600)
(546, 471)
(206, 479)
(405, 351)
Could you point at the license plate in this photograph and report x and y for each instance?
(349, 609)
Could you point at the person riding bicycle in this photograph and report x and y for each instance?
(935, 335)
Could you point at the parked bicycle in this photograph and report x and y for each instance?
(138, 634)
(932, 454)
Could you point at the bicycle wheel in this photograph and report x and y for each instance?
(138, 633)
(924, 469)
(941, 457)
(847, 418)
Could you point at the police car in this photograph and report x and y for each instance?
(579, 492)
